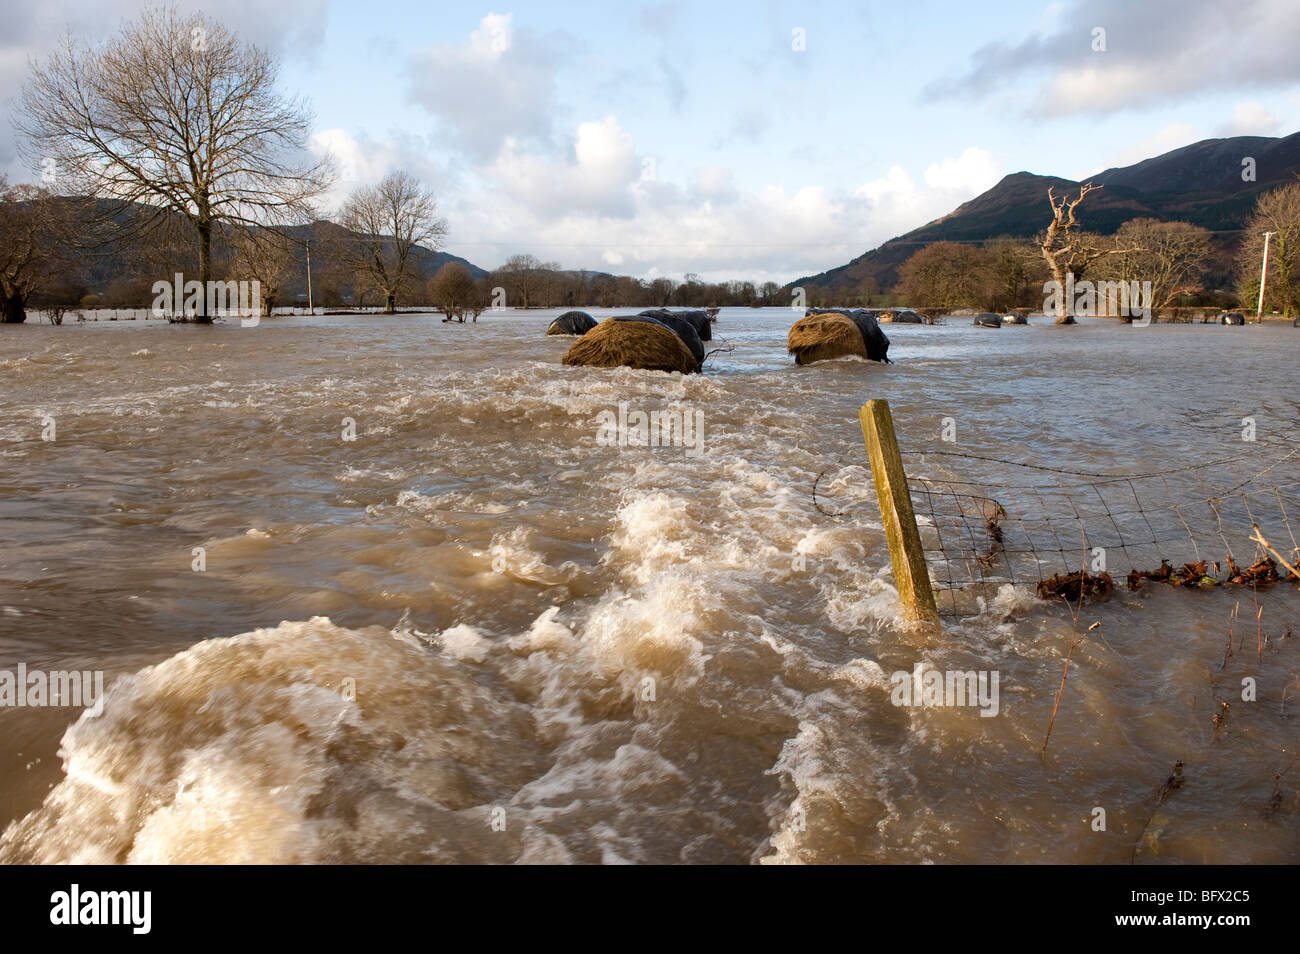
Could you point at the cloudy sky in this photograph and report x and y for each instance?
(762, 140)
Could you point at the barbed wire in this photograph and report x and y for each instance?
(1076, 537)
(1084, 473)
(1073, 535)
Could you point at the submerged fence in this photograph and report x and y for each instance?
(1073, 534)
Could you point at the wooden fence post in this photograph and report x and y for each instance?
(905, 553)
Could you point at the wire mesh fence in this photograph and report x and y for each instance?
(1225, 522)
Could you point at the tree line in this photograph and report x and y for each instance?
(1177, 258)
(524, 281)
(1008, 273)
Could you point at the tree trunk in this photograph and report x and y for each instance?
(389, 301)
(1063, 309)
(13, 310)
(205, 270)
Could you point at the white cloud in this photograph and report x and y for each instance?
(715, 183)
(499, 85)
(360, 160)
(897, 204)
(974, 171)
(1156, 51)
(1102, 87)
(895, 183)
(492, 38)
(355, 162)
(1050, 18)
(596, 180)
(595, 207)
(1250, 119)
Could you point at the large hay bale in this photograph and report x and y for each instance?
(821, 336)
(874, 339)
(636, 342)
(572, 323)
(680, 327)
(696, 318)
(902, 317)
(700, 319)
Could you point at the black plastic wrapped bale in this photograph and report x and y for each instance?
(572, 323)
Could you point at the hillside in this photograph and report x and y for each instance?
(1200, 183)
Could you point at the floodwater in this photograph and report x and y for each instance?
(478, 633)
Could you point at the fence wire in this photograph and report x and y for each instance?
(1069, 533)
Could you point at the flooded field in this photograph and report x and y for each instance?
(374, 589)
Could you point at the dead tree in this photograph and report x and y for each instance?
(1067, 250)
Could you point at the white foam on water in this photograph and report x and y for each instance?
(352, 474)
(299, 743)
(513, 552)
(248, 749)
(611, 728)
(464, 642)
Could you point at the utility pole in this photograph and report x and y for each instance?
(310, 309)
(1263, 275)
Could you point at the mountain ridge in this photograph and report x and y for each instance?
(1199, 183)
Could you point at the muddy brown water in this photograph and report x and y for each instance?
(475, 633)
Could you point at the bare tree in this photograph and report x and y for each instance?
(1067, 249)
(690, 292)
(629, 291)
(268, 257)
(661, 291)
(1170, 255)
(522, 278)
(386, 222)
(176, 114)
(947, 275)
(1014, 267)
(1278, 212)
(454, 290)
(552, 282)
(36, 230)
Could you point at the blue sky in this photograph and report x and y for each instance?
(661, 138)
